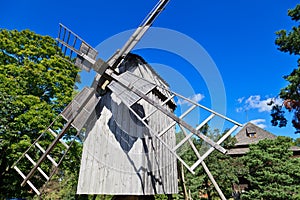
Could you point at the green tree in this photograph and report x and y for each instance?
(297, 142)
(36, 83)
(289, 41)
(220, 165)
(222, 168)
(272, 172)
(189, 184)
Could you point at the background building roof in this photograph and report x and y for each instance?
(251, 133)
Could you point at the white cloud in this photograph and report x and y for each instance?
(240, 100)
(256, 102)
(259, 122)
(195, 97)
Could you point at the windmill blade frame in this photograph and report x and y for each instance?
(71, 113)
(126, 89)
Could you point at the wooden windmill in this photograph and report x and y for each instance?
(127, 115)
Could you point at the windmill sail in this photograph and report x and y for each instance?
(76, 48)
(77, 112)
(120, 55)
(87, 100)
(128, 83)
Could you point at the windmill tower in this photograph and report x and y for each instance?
(120, 156)
(127, 114)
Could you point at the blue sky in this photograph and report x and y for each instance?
(238, 35)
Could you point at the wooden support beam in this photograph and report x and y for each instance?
(59, 136)
(210, 176)
(174, 122)
(39, 169)
(154, 110)
(116, 60)
(210, 150)
(188, 136)
(46, 153)
(154, 134)
(48, 156)
(169, 114)
(55, 135)
(27, 181)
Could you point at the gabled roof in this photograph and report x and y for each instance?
(243, 140)
(258, 134)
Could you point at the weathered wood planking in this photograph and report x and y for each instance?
(119, 156)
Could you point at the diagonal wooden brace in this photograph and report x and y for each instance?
(210, 150)
(171, 115)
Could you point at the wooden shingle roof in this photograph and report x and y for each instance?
(251, 133)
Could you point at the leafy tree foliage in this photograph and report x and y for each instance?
(36, 83)
(289, 41)
(272, 172)
(220, 165)
(297, 142)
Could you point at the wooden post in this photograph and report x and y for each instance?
(190, 196)
(181, 171)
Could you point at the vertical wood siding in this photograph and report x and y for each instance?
(119, 156)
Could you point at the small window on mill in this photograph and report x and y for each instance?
(250, 132)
